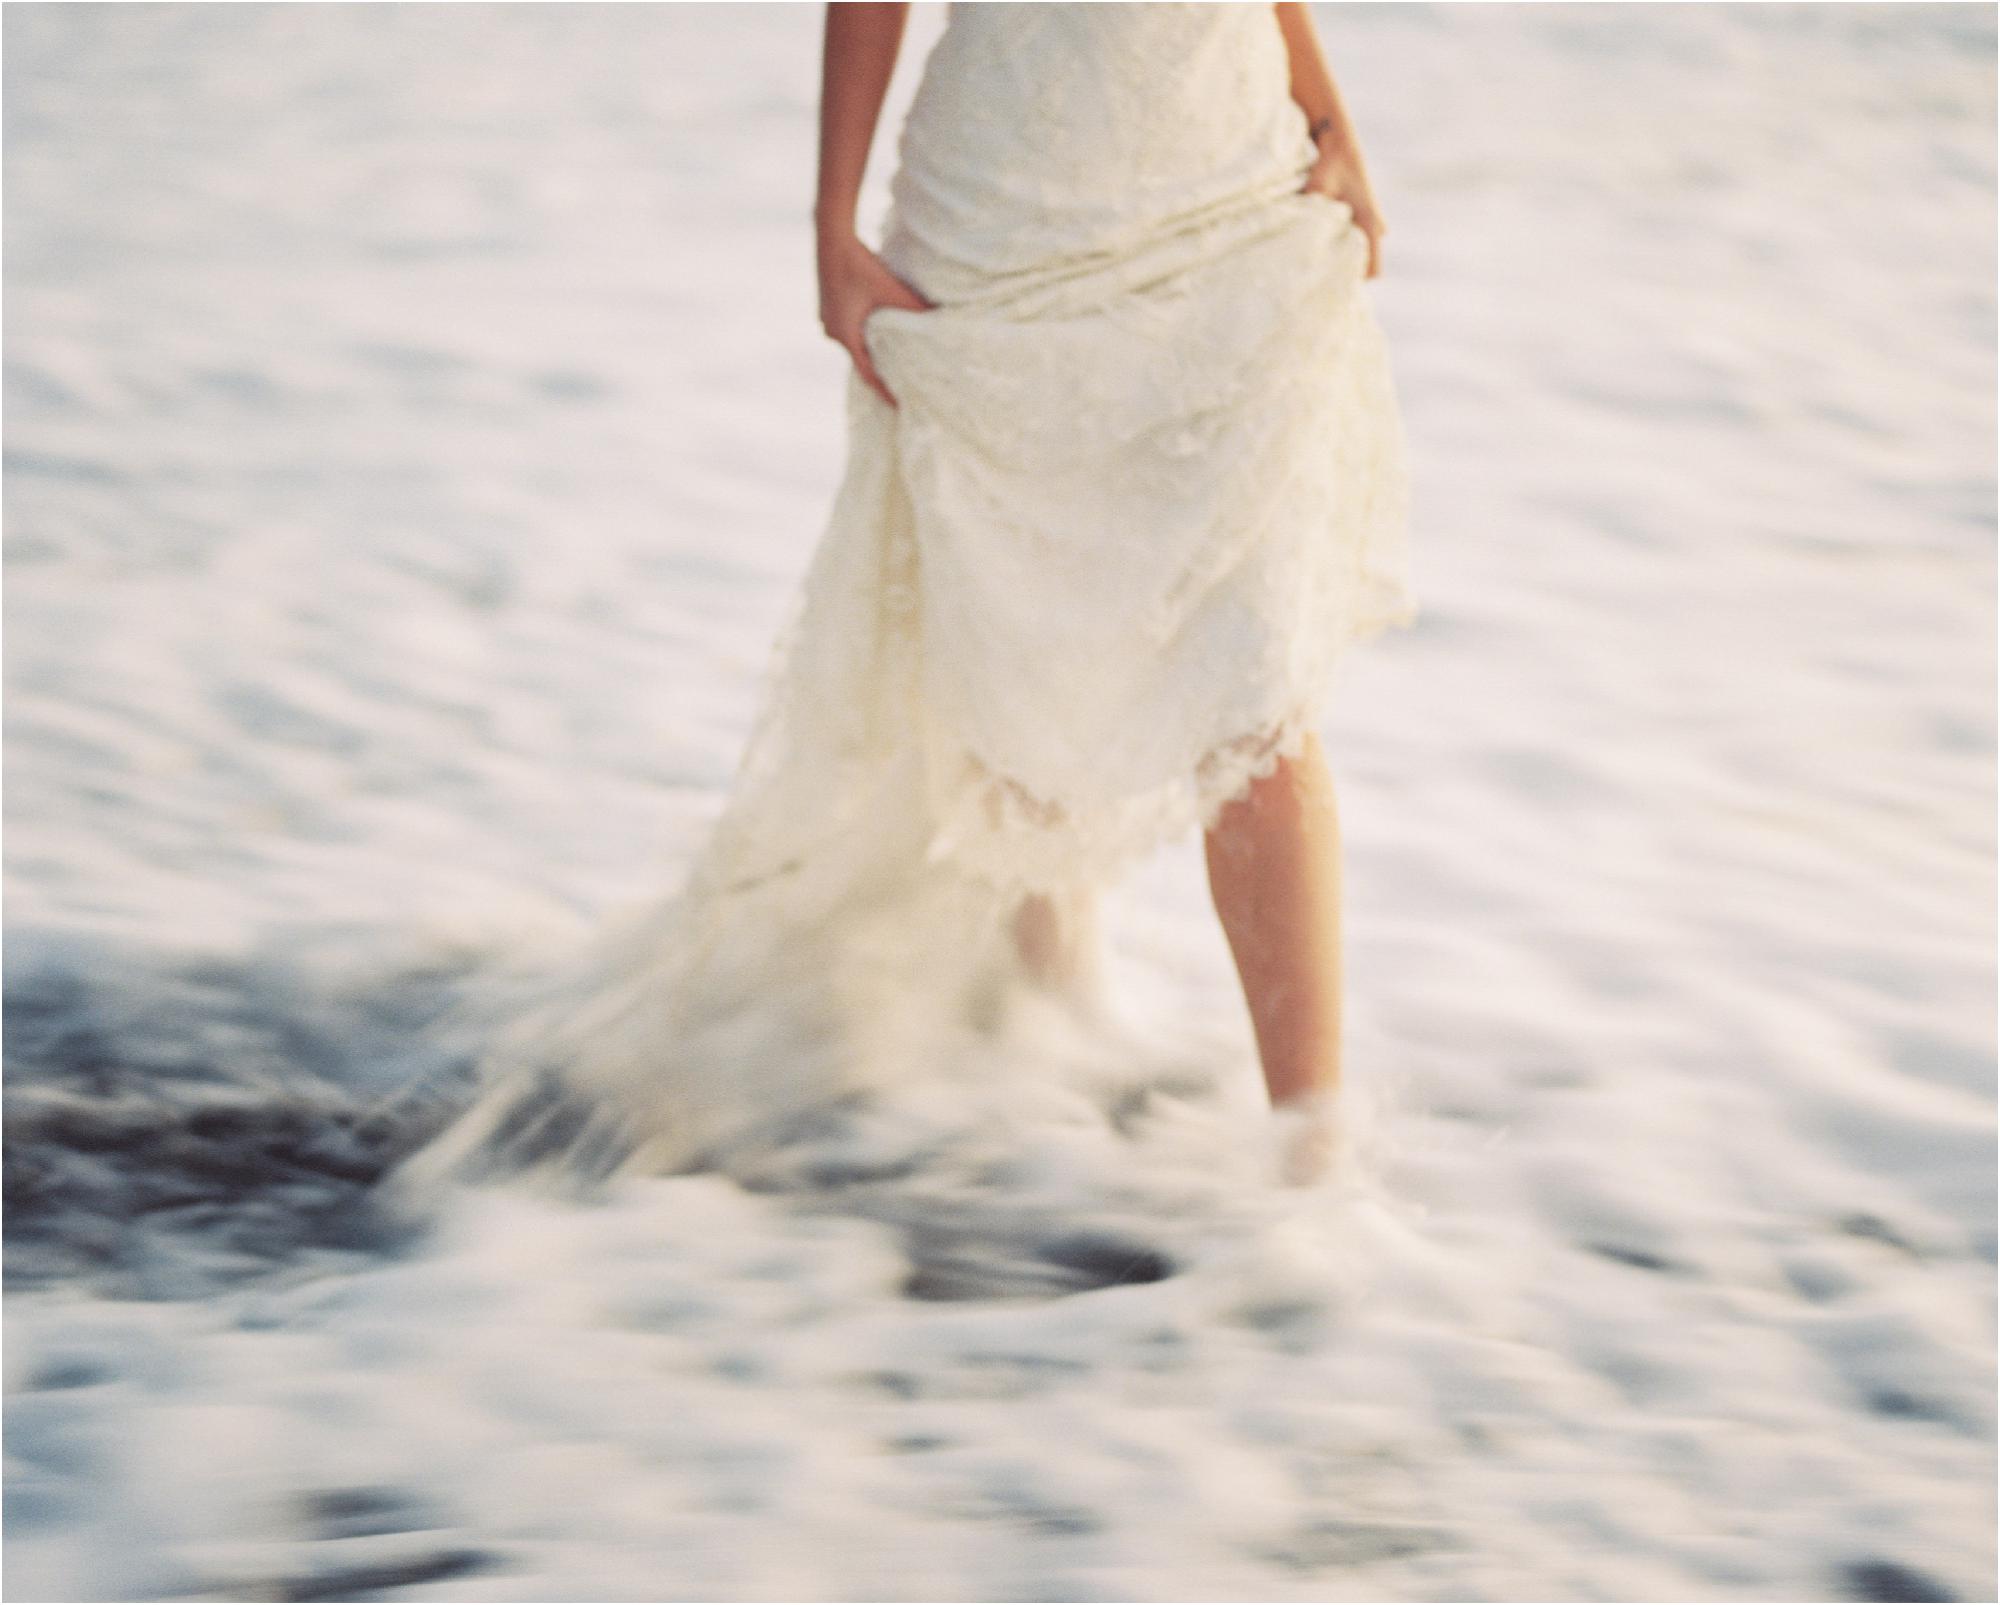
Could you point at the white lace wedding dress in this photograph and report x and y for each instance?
(1146, 481)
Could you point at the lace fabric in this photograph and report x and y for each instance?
(1094, 574)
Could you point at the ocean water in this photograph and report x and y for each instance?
(416, 421)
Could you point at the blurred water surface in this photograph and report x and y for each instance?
(416, 422)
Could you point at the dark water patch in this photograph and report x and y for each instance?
(1900, 1404)
(1640, 1259)
(73, 470)
(545, 1123)
(1558, 1077)
(1132, 1106)
(537, 1124)
(1294, 1321)
(1940, 1060)
(268, 716)
(36, 387)
(1875, 1229)
(367, 1511)
(972, 1248)
(952, 1265)
(1109, 1261)
(361, 1578)
(172, 1125)
(571, 385)
(903, 1385)
(401, 357)
(1818, 1281)
(916, 1443)
(1334, 1542)
(1887, 1580)
(975, 1256)
(245, 387)
(63, 1374)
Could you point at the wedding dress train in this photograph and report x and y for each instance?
(1144, 484)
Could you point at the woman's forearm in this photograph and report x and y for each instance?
(1312, 82)
(859, 58)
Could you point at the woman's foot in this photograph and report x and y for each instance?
(1309, 1137)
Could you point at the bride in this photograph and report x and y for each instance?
(1125, 478)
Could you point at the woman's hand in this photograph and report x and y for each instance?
(1339, 175)
(853, 282)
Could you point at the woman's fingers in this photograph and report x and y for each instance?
(864, 364)
(1371, 224)
(854, 285)
(893, 293)
(1339, 182)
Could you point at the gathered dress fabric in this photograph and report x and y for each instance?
(1144, 482)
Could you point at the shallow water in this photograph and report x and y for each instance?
(417, 419)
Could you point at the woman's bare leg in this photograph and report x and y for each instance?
(1274, 872)
(1038, 938)
(1057, 942)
